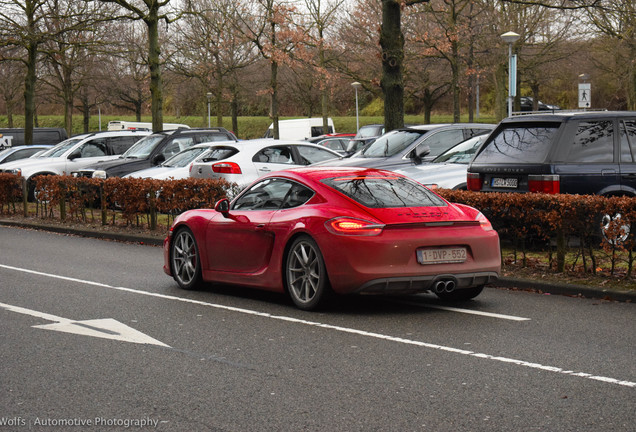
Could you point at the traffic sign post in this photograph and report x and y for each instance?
(585, 95)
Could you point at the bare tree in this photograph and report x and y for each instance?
(322, 17)
(150, 13)
(209, 49)
(11, 81)
(271, 26)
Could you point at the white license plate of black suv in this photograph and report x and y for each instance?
(502, 182)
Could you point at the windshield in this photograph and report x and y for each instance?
(184, 158)
(385, 191)
(61, 148)
(369, 131)
(390, 144)
(519, 143)
(462, 153)
(142, 148)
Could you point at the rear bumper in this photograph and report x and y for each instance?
(406, 285)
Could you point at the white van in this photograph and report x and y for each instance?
(300, 129)
(118, 125)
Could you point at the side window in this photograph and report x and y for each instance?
(268, 194)
(93, 148)
(21, 154)
(176, 145)
(310, 155)
(441, 141)
(297, 195)
(118, 145)
(593, 143)
(275, 154)
(628, 140)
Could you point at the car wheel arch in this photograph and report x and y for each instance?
(292, 238)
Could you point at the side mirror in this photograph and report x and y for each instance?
(222, 206)
(423, 151)
(74, 155)
(158, 159)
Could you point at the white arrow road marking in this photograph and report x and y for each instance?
(107, 328)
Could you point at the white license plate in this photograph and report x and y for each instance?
(499, 182)
(440, 256)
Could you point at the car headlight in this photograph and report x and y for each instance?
(101, 174)
(16, 171)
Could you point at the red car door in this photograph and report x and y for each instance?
(239, 243)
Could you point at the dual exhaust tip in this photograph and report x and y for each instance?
(444, 285)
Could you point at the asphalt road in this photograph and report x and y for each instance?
(94, 336)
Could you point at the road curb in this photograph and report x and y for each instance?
(103, 235)
(506, 282)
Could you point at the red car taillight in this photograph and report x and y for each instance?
(353, 226)
(484, 222)
(473, 181)
(226, 168)
(549, 184)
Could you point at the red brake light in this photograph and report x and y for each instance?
(352, 226)
(473, 181)
(226, 168)
(549, 184)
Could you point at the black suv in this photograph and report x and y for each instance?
(575, 153)
(153, 150)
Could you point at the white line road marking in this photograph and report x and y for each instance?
(107, 328)
(466, 311)
(341, 329)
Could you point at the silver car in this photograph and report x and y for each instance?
(245, 161)
(448, 170)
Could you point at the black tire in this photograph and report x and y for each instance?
(306, 278)
(460, 294)
(184, 260)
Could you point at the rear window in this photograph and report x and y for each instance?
(385, 191)
(528, 143)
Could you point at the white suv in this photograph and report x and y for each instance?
(73, 154)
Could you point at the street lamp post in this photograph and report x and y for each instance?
(510, 38)
(209, 95)
(356, 85)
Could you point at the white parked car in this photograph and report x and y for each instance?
(178, 166)
(448, 170)
(245, 161)
(74, 153)
(21, 152)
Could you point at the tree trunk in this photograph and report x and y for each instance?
(29, 93)
(274, 100)
(455, 82)
(392, 43)
(154, 51)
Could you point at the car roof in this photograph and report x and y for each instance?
(567, 115)
(318, 173)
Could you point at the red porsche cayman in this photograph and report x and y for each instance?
(315, 231)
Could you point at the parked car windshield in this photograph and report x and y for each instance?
(385, 191)
(519, 143)
(390, 144)
(462, 153)
(369, 131)
(185, 157)
(142, 148)
(61, 148)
